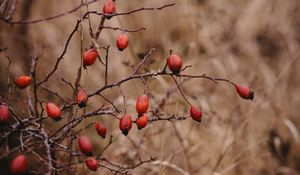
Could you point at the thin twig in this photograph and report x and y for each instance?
(61, 56)
(133, 11)
(124, 98)
(142, 62)
(106, 64)
(182, 94)
(124, 30)
(51, 17)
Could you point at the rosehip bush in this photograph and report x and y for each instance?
(55, 131)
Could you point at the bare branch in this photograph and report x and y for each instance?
(143, 60)
(51, 17)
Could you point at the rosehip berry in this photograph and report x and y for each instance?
(142, 121)
(196, 114)
(23, 81)
(109, 8)
(85, 145)
(53, 111)
(125, 124)
(101, 129)
(89, 57)
(122, 42)
(174, 63)
(81, 98)
(142, 104)
(245, 92)
(91, 163)
(4, 113)
(18, 164)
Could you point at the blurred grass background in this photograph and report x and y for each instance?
(250, 41)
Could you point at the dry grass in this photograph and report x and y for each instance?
(246, 41)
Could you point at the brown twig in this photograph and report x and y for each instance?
(133, 11)
(49, 18)
(33, 74)
(143, 60)
(106, 64)
(124, 98)
(114, 106)
(124, 30)
(3, 49)
(61, 56)
(182, 94)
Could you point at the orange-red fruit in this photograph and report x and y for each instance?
(101, 129)
(53, 111)
(4, 113)
(81, 98)
(125, 124)
(142, 104)
(174, 63)
(85, 145)
(89, 57)
(23, 81)
(142, 121)
(18, 164)
(109, 8)
(196, 114)
(122, 42)
(245, 92)
(91, 163)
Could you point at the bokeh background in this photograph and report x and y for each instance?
(249, 42)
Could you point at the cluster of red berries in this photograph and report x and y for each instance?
(19, 164)
(142, 105)
(90, 56)
(174, 63)
(86, 147)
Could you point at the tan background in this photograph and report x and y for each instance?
(250, 41)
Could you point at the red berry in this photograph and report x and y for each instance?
(125, 124)
(142, 104)
(85, 145)
(81, 98)
(142, 121)
(122, 42)
(245, 92)
(101, 129)
(23, 81)
(109, 8)
(53, 111)
(196, 114)
(18, 164)
(174, 63)
(91, 163)
(4, 113)
(89, 57)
